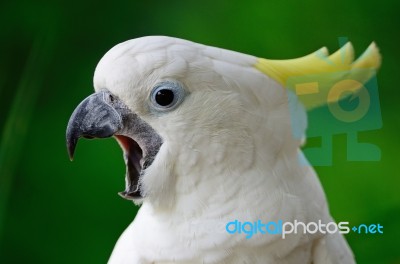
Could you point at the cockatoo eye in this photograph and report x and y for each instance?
(166, 96)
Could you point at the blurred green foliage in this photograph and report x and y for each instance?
(55, 211)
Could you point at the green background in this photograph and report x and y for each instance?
(55, 211)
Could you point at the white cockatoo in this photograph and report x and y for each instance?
(208, 138)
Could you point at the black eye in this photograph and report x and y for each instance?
(164, 97)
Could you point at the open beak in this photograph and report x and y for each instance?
(102, 115)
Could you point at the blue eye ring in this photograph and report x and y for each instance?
(166, 96)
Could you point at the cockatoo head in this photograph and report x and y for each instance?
(172, 113)
(184, 115)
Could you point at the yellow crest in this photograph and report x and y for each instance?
(339, 67)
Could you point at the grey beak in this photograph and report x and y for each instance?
(94, 117)
(103, 115)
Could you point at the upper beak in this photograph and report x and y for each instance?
(93, 118)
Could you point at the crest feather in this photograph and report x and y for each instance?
(297, 74)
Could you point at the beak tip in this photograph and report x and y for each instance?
(71, 144)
